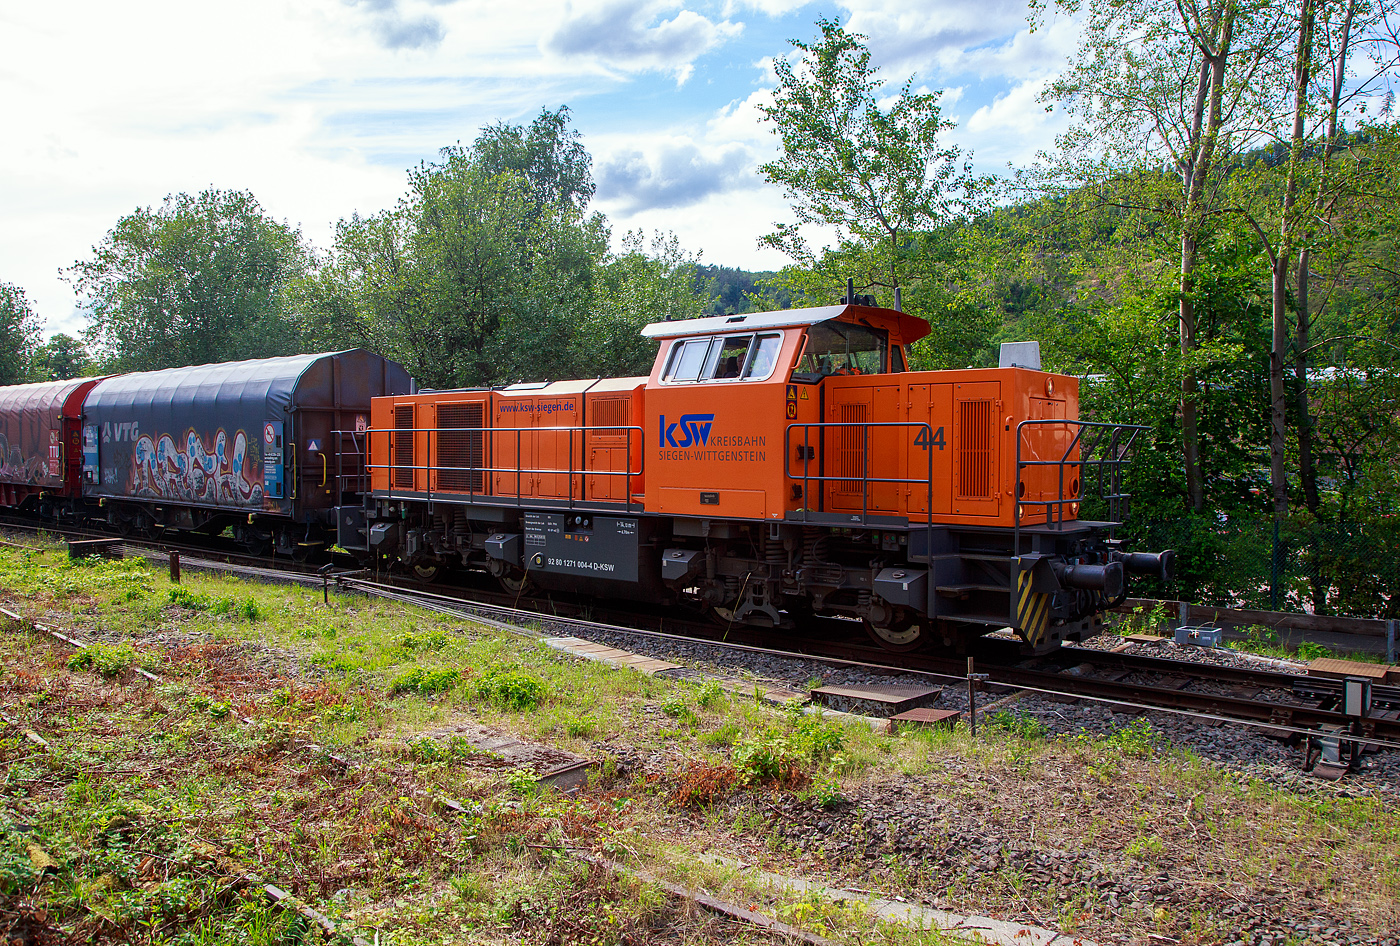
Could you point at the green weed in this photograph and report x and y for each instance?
(110, 661)
(1024, 727)
(710, 694)
(509, 688)
(680, 711)
(426, 680)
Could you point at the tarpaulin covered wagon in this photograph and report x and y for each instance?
(264, 447)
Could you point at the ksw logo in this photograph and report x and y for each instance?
(694, 430)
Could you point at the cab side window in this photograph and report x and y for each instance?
(733, 356)
(687, 360)
(723, 358)
(765, 357)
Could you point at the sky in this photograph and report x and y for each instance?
(318, 107)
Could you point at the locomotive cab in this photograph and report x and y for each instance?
(929, 505)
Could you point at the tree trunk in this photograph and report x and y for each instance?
(1190, 439)
(1214, 60)
(1306, 470)
(1278, 421)
(1278, 350)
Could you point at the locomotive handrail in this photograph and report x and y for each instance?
(865, 479)
(580, 469)
(1116, 455)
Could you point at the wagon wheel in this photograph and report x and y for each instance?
(256, 543)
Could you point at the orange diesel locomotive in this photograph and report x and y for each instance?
(773, 465)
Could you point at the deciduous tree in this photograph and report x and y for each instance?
(199, 279)
(60, 358)
(1178, 86)
(19, 334)
(872, 175)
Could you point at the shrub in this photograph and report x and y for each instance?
(816, 738)
(783, 757)
(771, 759)
(106, 660)
(509, 688)
(426, 680)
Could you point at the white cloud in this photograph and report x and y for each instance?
(923, 35)
(630, 35)
(1014, 126)
(675, 174)
(317, 106)
(1026, 55)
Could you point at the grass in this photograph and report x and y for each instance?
(1266, 642)
(151, 798)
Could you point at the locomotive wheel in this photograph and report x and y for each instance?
(516, 582)
(899, 637)
(428, 572)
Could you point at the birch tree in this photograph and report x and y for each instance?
(1161, 93)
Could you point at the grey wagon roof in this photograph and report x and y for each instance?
(268, 380)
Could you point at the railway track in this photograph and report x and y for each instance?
(1292, 706)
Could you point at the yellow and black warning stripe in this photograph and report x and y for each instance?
(1032, 610)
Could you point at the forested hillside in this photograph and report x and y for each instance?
(1210, 247)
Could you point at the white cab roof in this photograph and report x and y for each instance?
(911, 327)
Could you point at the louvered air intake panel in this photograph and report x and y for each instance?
(403, 446)
(610, 412)
(461, 446)
(850, 447)
(977, 429)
